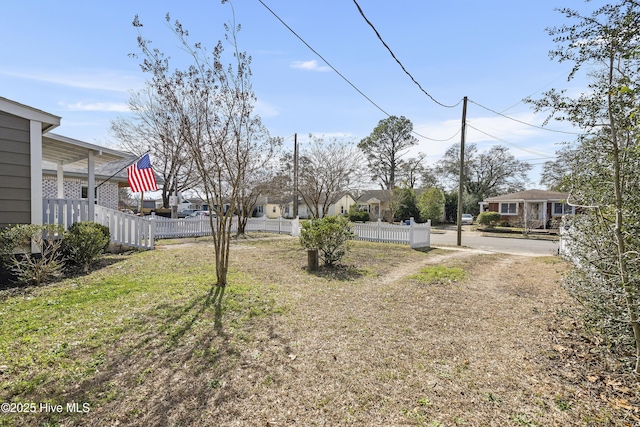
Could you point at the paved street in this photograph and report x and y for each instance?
(475, 240)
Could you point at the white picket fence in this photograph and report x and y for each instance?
(125, 229)
(64, 211)
(416, 235)
(141, 232)
(166, 228)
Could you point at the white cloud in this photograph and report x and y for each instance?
(330, 135)
(264, 109)
(309, 66)
(522, 140)
(97, 106)
(90, 79)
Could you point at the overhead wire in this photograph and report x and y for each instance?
(523, 122)
(341, 75)
(400, 63)
(416, 82)
(534, 92)
(452, 106)
(528, 150)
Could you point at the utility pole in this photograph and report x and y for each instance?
(461, 177)
(295, 175)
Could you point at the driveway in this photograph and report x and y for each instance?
(508, 245)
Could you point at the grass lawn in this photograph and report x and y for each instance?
(391, 337)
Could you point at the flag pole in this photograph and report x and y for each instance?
(141, 212)
(130, 163)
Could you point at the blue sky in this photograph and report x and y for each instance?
(71, 59)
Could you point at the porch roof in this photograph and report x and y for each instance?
(529, 196)
(72, 152)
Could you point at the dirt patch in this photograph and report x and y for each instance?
(379, 349)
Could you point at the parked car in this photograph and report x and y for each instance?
(200, 214)
(185, 213)
(467, 219)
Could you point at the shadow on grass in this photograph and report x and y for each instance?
(170, 354)
(339, 272)
(426, 249)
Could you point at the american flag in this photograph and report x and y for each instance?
(141, 177)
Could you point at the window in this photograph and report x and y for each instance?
(85, 192)
(562, 209)
(341, 209)
(508, 208)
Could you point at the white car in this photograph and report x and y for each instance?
(467, 219)
(200, 214)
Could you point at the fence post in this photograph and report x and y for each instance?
(295, 227)
(411, 232)
(152, 230)
(378, 229)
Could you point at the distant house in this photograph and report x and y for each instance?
(339, 207)
(376, 202)
(531, 208)
(193, 203)
(272, 208)
(275, 208)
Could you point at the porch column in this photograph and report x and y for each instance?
(544, 214)
(91, 185)
(35, 153)
(60, 181)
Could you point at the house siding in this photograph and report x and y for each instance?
(15, 175)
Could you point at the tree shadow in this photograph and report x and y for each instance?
(340, 272)
(170, 338)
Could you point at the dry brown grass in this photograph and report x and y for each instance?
(365, 345)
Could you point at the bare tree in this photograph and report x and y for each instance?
(412, 170)
(327, 171)
(255, 182)
(487, 173)
(213, 103)
(155, 128)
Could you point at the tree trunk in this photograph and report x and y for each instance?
(623, 270)
(312, 259)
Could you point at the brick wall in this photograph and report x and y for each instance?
(107, 193)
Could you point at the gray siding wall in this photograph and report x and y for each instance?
(15, 176)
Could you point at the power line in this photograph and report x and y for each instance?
(528, 150)
(524, 123)
(321, 57)
(343, 77)
(400, 63)
(536, 91)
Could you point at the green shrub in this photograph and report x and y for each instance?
(357, 215)
(84, 243)
(329, 235)
(431, 205)
(489, 219)
(29, 267)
